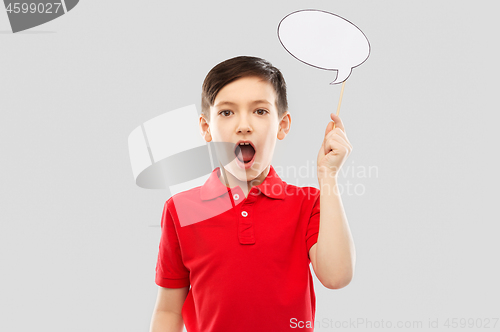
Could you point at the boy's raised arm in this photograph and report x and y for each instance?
(167, 312)
(334, 255)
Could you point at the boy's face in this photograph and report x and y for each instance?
(245, 110)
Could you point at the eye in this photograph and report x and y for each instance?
(263, 110)
(224, 112)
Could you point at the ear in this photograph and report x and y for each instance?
(205, 129)
(284, 125)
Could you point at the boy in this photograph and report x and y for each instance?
(244, 240)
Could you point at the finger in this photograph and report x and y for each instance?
(342, 141)
(329, 127)
(333, 140)
(338, 132)
(338, 121)
(336, 147)
(334, 137)
(342, 134)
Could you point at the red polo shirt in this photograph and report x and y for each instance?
(246, 259)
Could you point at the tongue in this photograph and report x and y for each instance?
(246, 153)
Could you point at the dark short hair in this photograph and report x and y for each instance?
(238, 67)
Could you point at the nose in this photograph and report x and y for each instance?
(244, 125)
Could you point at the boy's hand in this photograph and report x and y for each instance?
(334, 150)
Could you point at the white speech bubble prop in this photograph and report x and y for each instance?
(324, 40)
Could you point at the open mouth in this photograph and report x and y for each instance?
(244, 151)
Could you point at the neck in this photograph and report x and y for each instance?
(230, 181)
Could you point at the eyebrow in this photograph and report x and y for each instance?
(260, 101)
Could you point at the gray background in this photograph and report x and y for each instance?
(79, 240)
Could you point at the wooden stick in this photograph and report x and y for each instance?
(340, 100)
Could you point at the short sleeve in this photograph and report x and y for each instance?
(170, 269)
(313, 225)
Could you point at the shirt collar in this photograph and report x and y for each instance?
(272, 186)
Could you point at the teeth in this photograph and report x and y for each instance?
(244, 143)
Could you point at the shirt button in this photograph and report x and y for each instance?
(236, 196)
(244, 213)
